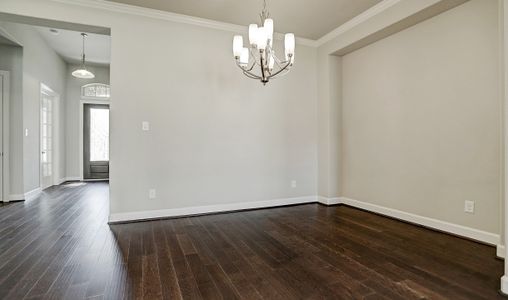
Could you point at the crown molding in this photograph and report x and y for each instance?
(366, 15)
(173, 17)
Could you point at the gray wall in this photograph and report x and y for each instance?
(73, 100)
(216, 137)
(40, 65)
(11, 59)
(422, 119)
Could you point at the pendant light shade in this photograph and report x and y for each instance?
(82, 72)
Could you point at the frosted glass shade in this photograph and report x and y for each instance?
(237, 45)
(269, 28)
(289, 44)
(271, 63)
(83, 74)
(253, 34)
(244, 57)
(262, 38)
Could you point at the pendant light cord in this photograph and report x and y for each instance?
(83, 53)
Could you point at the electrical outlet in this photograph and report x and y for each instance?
(152, 194)
(145, 126)
(26, 131)
(293, 184)
(469, 207)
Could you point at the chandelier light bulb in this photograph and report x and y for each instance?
(262, 38)
(253, 35)
(237, 45)
(268, 25)
(289, 44)
(244, 57)
(271, 63)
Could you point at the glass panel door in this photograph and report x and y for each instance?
(46, 140)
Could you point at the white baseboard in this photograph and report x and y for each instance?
(504, 285)
(198, 210)
(500, 251)
(16, 197)
(33, 193)
(72, 179)
(28, 195)
(329, 201)
(468, 232)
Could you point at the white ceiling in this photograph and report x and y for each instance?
(68, 45)
(310, 19)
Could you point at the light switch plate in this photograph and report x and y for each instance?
(469, 207)
(152, 194)
(145, 126)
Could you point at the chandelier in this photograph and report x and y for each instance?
(260, 53)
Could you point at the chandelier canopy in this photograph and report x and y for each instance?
(260, 53)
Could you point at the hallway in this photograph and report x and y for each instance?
(60, 246)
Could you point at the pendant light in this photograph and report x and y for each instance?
(82, 71)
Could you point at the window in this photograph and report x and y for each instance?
(99, 134)
(95, 91)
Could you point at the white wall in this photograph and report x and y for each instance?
(216, 137)
(422, 119)
(40, 65)
(73, 100)
(11, 59)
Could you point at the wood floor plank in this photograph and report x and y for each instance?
(59, 246)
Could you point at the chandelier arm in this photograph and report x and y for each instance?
(284, 73)
(243, 68)
(281, 70)
(278, 61)
(247, 72)
(251, 75)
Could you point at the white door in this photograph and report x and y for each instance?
(46, 141)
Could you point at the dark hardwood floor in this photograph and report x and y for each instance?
(60, 247)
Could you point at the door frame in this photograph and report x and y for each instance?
(5, 77)
(81, 127)
(55, 134)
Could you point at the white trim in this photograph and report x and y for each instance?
(66, 179)
(16, 197)
(5, 75)
(198, 210)
(55, 114)
(468, 232)
(329, 201)
(504, 285)
(72, 179)
(500, 251)
(173, 17)
(33, 193)
(368, 14)
(26, 196)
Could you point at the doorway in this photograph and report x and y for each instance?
(95, 141)
(49, 101)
